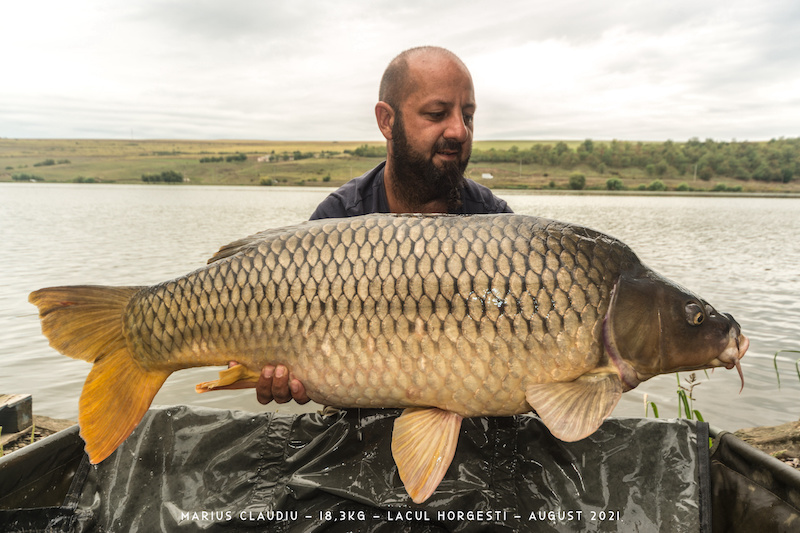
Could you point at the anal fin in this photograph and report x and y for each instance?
(574, 410)
(235, 377)
(423, 445)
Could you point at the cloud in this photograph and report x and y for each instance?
(309, 70)
(684, 77)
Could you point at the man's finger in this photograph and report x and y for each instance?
(264, 385)
(298, 392)
(280, 385)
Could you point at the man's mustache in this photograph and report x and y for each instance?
(449, 145)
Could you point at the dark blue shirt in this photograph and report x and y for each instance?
(367, 194)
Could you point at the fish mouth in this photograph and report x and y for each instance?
(732, 353)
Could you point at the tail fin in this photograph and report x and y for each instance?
(85, 322)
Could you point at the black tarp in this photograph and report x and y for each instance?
(193, 469)
(752, 490)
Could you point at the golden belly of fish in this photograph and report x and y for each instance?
(457, 316)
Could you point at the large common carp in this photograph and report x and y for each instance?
(450, 316)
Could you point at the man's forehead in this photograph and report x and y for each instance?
(439, 79)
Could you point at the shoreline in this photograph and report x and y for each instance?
(500, 191)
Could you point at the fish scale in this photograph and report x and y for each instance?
(412, 300)
(448, 316)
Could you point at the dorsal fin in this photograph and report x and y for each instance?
(243, 244)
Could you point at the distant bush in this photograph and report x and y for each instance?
(267, 182)
(26, 177)
(683, 187)
(721, 187)
(51, 162)
(327, 178)
(237, 157)
(577, 181)
(656, 185)
(212, 159)
(614, 184)
(168, 176)
(81, 179)
(368, 151)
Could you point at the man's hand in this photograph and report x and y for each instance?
(275, 383)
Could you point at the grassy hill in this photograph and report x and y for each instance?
(512, 164)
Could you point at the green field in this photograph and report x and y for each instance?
(327, 164)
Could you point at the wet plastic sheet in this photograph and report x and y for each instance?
(40, 484)
(752, 491)
(192, 469)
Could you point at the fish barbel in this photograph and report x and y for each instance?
(448, 316)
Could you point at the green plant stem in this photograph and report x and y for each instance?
(775, 364)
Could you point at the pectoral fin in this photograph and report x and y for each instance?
(423, 445)
(235, 377)
(575, 409)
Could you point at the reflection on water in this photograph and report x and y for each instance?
(741, 254)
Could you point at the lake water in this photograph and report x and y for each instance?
(741, 254)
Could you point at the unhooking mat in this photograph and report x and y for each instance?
(199, 469)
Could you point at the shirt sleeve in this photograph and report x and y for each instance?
(330, 207)
(358, 196)
(502, 206)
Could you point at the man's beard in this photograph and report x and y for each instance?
(417, 180)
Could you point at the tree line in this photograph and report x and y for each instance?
(51, 162)
(229, 159)
(777, 160)
(366, 150)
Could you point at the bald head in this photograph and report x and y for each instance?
(398, 82)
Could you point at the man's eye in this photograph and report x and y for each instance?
(436, 115)
(468, 119)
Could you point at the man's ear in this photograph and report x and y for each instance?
(385, 116)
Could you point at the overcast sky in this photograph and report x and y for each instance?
(309, 70)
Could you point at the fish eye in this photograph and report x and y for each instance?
(694, 314)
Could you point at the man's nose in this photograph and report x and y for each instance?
(456, 128)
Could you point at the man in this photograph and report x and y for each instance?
(425, 112)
